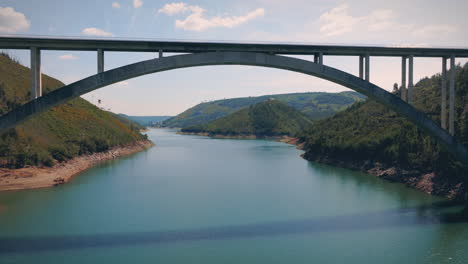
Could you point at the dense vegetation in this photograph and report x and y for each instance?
(146, 120)
(367, 131)
(61, 133)
(269, 118)
(314, 105)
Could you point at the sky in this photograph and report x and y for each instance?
(421, 23)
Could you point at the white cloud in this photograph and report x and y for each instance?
(196, 21)
(96, 32)
(68, 57)
(339, 21)
(137, 3)
(116, 5)
(177, 8)
(12, 21)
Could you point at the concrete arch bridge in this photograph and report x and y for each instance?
(264, 55)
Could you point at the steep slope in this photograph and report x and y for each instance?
(66, 131)
(370, 137)
(314, 105)
(269, 118)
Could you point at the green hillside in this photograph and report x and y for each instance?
(368, 132)
(314, 105)
(75, 128)
(146, 120)
(269, 118)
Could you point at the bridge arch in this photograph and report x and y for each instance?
(109, 77)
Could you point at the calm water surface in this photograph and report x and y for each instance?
(193, 199)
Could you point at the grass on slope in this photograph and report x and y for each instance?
(314, 105)
(71, 129)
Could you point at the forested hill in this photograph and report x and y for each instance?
(146, 120)
(367, 133)
(74, 128)
(265, 119)
(314, 105)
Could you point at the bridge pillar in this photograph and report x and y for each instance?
(100, 60)
(316, 58)
(320, 58)
(403, 94)
(361, 66)
(443, 104)
(410, 79)
(367, 67)
(36, 81)
(452, 96)
(160, 53)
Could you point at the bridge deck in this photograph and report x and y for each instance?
(195, 47)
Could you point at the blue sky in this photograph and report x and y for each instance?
(366, 22)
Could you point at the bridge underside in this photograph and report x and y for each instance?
(319, 70)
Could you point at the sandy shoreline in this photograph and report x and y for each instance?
(40, 177)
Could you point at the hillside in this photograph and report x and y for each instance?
(75, 128)
(314, 105)
(269, 118)
(368, 135)
(146, 120)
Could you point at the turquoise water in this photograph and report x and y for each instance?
(192, 199)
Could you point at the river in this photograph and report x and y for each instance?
(192, 199)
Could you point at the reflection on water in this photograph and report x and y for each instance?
(195, 199)
(435, 214)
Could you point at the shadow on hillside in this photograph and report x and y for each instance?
(438, 213)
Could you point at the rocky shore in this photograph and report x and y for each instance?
(40, 177)
(428, 182)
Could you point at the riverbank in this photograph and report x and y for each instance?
(428, 182)
(284, 139)
(40, 177)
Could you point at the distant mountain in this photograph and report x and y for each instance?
(146, 120)
(315, 105)
(269, 118)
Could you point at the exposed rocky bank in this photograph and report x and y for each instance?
(40, 177)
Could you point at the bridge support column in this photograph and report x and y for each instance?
(316, 58)
(452, 97)
(36, 81)
(320, 55)
(403, 94)
(367, 67)
(410, 79)
(160, 53)
(100, 60)
(443, 93)
(361, 66)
